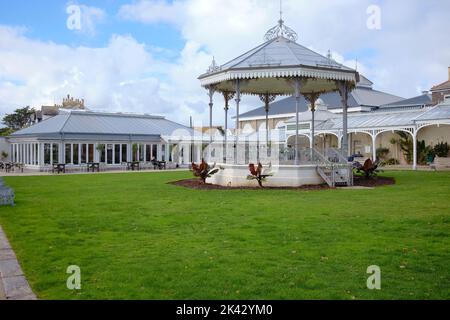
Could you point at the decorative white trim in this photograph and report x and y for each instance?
(277, 73)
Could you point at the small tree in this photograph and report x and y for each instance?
(369, 169)
(204, 170)
(258, 173)
(4, 155)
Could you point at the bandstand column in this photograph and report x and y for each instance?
(211, 91)
(297, 107)
(415, 150)
(312, 98)
(227, 96)
(343, 90)
(266, 99)
(313, 113)
(238, 100)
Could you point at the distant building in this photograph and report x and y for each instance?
(68, 103)
(439, 91)
(76, 138)
(374, 118)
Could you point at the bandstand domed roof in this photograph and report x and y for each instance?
(279, 57)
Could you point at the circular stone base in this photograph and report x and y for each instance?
(283, 176)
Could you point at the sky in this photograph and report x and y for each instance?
(144, 56)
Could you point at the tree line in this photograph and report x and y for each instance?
(19, 119)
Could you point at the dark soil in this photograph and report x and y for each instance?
(358, 182)
(372, 183)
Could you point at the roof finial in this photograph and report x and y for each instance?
(281, 30)
(213, 67)
(281, 10)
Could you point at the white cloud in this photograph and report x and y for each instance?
(154, 11)
(410, 53)
(118, 77)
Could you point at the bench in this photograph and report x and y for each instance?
(159, 165)
(440, 163)
(93, 166)
(133, 166)
(59, 168)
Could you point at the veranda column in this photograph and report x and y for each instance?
(343, 90)
(297, 107)
(167, 153)
(159, 152)
(415, 150)
(374, 146)
(238, 100)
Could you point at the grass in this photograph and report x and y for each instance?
(136, 237)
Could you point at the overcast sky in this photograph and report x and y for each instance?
(145, 56)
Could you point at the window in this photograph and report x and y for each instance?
(76, 153)
(101, 151)
(148, 152)
(124, 153)
(109, 153)
(55, 153)
(135, 152)
(141, 152)
(155, 151)
(117, 153)
(90, 153)
(68, 153)
(163, 151)
(83, 153)
(170, 152)
(36, 154)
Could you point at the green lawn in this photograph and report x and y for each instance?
(136, 237)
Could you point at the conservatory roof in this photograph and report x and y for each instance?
(95, 123)
(441, 111)
(361, 96)
(422, 100)
(376, 120)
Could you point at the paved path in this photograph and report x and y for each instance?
(13, 284)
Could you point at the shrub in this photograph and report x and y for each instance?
(390, 162)
(382, 153)
(442, 149)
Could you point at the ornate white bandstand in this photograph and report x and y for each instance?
(280, 67)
